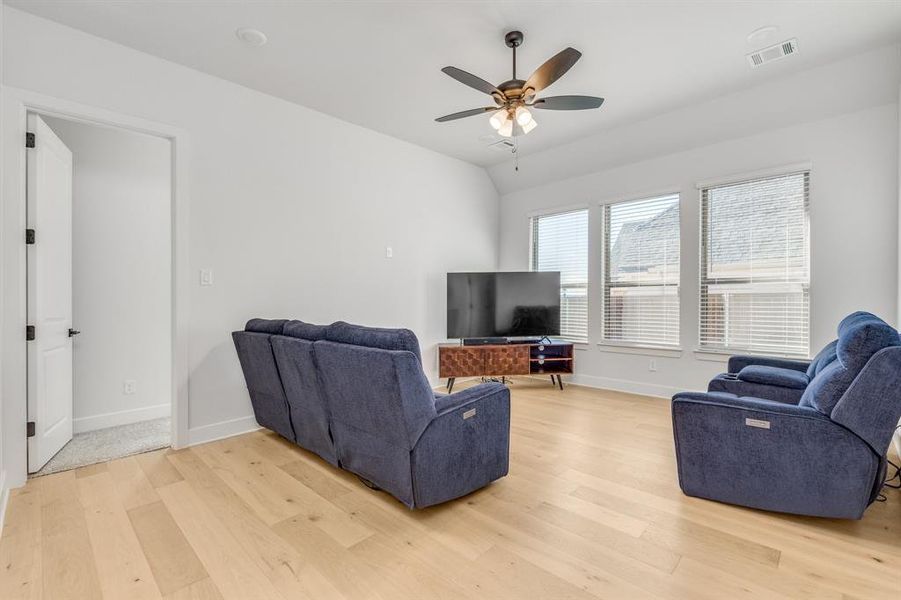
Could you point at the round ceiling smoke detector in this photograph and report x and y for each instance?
(251, 37)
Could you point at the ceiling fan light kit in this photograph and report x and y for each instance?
(511, 115)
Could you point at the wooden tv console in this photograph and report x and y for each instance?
(500, 360)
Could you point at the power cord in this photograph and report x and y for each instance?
(897, 475)
(887, 482)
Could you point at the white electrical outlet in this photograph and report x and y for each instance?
(129, 386)
(206, 277)
(389, 252)
(652, 365)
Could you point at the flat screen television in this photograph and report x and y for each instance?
(503, 305)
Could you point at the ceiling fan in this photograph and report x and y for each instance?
(513, 99)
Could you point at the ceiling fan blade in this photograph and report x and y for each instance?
(466, 113)
(471, 80)
(552, 70)
(568, 102)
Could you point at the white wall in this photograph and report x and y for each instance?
(853, 216)
(290, 208)
(897, 436)
(121, 265)
(4, 485)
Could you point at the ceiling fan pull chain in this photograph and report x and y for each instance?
(515, 154)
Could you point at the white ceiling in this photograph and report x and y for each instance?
(378, 64)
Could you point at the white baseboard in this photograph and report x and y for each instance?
(624, 385)
(606, 383)
(122, 417)
(218, 431)
(4, 499)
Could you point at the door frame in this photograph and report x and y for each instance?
(15, 104)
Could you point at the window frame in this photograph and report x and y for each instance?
(710, 352)
(611, 344)
(558, 211)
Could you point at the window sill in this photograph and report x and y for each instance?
(723, 355)
(663, 351)
(713, 355)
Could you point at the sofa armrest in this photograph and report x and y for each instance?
(775, 376)
(748, 403)
(465, 447)
(770, 455)
(449, 402)
(739, 362)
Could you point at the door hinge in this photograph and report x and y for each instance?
(29, 236)
(29, 333)
(29, 429)
(29, 140)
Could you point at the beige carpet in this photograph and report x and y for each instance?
(102, 445)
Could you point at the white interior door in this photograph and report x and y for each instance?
(49, 294)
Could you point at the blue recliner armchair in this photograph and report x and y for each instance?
(821, 456)
(358, 397)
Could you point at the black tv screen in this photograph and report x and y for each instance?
(511, 304)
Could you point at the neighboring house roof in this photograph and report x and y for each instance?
(649, 244)
(643, 245)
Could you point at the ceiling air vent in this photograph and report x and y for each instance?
(502, 146)
(777, 52)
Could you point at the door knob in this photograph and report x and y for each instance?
(73, 332)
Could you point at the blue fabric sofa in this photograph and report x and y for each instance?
(358, 397)
(823, 455)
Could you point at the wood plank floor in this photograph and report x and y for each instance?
(591, 509)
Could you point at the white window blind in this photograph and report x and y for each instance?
(755, 274)
(560, 243)
(641, 272)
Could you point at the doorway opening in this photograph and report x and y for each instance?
(99, 202)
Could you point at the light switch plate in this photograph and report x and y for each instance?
(206, 277)
(389, 252)
(129, 386)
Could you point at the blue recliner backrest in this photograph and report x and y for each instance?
(822, 360)
(264, 383)
(379, 403)
(373, 337)
(860, 336)
(297, 366)
(871, 406)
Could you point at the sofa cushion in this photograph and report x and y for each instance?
(305, 331)
(373, 337)
(789, 378)
(822, 360)
(270, 326)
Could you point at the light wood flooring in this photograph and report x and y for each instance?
(591, 509)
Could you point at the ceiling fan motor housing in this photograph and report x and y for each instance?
(513, 39)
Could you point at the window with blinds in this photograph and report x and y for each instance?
(641, 272)
(560, 243)
(755, 274)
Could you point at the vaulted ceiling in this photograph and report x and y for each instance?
(378, 64)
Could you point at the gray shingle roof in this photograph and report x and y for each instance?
(642, 245)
